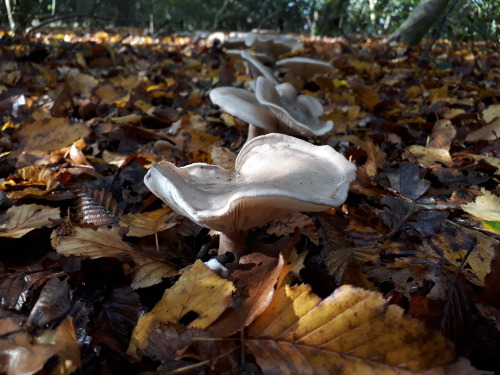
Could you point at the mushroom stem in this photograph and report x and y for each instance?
(233, 242)
(254, 131)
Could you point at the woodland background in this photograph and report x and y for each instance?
(97, 276)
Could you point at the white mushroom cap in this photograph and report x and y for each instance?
(275, 174)
(304, 67)
(244, 105)
(298, 114)
(258, 69)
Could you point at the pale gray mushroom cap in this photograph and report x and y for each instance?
(244, 105)
(275, 174)
(299, 114)
(304, 67)
(257, 68)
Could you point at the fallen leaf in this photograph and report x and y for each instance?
(352, 331)
(255, 280)
(197, 299)
(486, 207)
(19, 220)
(105, 242)
(148, 223)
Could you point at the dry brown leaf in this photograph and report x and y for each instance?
(105, 242)
(50, 134)
(19, 220)
(256, 287)
(488, 132)
(287, 225)
(351, 332)
(23, 354)
(200, 296)
(291, 269)
(366, 96)
(375, 157)
(442, 135)
(81, 84)
(148, 223)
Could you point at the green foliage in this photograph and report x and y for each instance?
(470, 19)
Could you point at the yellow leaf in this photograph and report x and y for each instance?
(23, 219)
(38, 181)
(353, 331)
(486, 207)
(427, 156)
(148, 223)
(105, 242)
(199, 291)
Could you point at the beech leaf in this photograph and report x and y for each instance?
(148, 223)
(351, 331)
(105, 242)
(197, 299)
(19, 220)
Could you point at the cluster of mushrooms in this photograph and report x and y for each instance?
(274, 175)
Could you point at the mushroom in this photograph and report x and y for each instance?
(297, 114)
(275, 174)
(304, 67)
(244, 105)
(257, 68)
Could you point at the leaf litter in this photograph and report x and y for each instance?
(98, 276)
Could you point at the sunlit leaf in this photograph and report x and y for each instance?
(352, 331)
(148, 223)
(197, 299)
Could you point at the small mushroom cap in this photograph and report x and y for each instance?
(244, 105)
(257, 68)
(297, 114)
(275, 174)
(304, 67)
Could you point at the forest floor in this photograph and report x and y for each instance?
(97, 275)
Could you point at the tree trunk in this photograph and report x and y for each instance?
(419, 21)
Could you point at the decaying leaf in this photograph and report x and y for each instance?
(486, 207)
(50, 134)
(288, 224)
(342, 259)
(255, 280)
(105, 242)
(96, 207)
(352, 331)
(23, 354)
(148, 223)
(197, 299)
(19, 220)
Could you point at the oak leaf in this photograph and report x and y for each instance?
(19, 220)
(351, 331)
